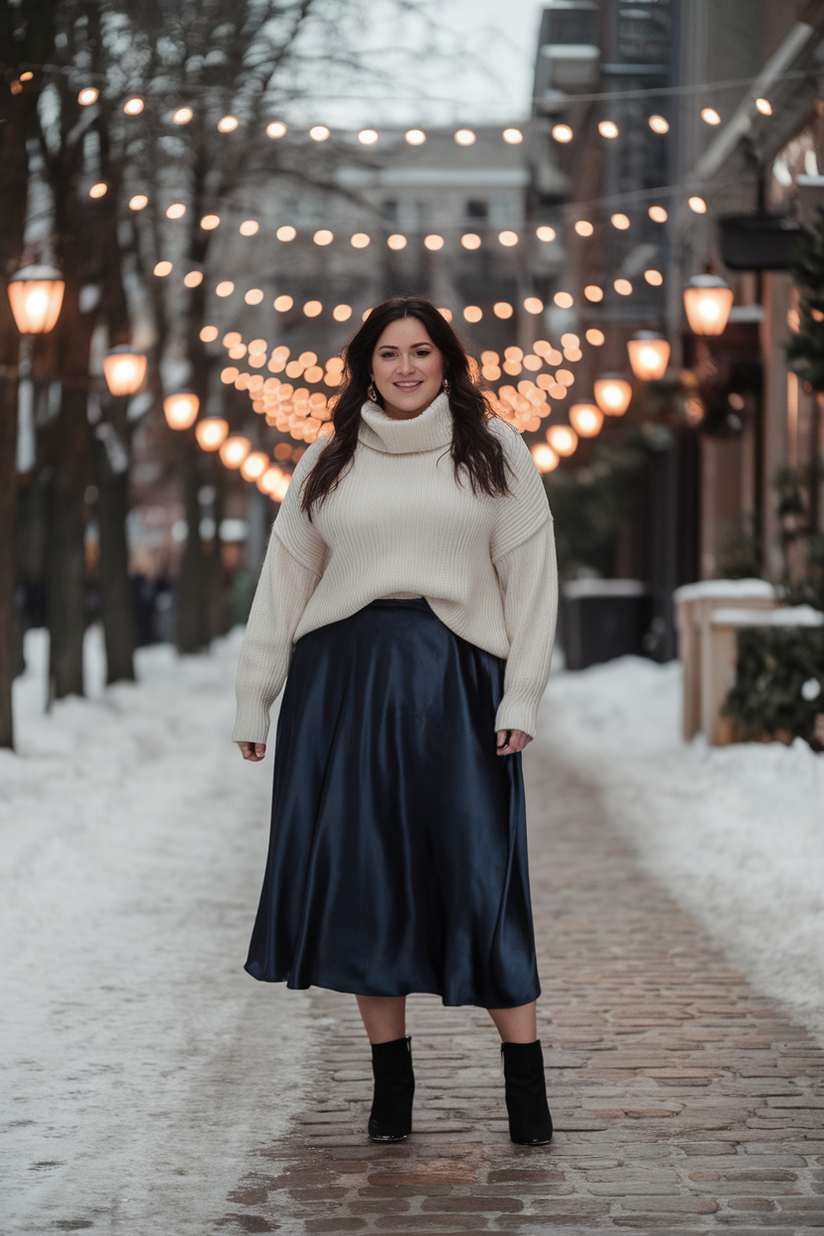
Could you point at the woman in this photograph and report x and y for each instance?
(409, 590)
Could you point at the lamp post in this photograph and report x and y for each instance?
(707, 301)
(36, 297)
(613, 393)
(649, 355)
(125, 370)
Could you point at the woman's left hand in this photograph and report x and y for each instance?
(510, 741)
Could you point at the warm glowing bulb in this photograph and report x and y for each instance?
(227, 124)
(138, 202)
(710, 116)
(234, 450)
(254, 465)
(471, 240)
(208, 334)
(546, 234)
(209, 222)
(613, 393)
(584, 228)
(367, 137)
(658, 124)
(193, 279)
(563, 300)
(620, 221)
(211, 433)
(545, 458)
(594, 293)
(658, 214)
(648, 355)
(608, 128)
(623, 287)
(562, 439)
(396, 241)
(88, 95)
(562, 133)
(433, 242)
(596, 337)
(513, 136)
(124, 371)
(323, 237)
(698, 205)
(360, 240)
(276, 129)
(176, 211)
(465, 137)
(286, 233)
(473, 313)
(183, 115)
(283, 303)
(654, 278)
(181, 410)
(586, 419)
(162, 269)
(764, 106)
(319, 133)
(707, 301)
(313, 308)
(502, 309)
(133, 107)
(415, 137)
(225, 288)
(254, 296)
(508, 239)
(249, 227)
(533, 305)
(99, 190)
(342, 313)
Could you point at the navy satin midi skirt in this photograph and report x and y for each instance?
(398, 856)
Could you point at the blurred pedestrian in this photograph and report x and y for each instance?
(410, 591)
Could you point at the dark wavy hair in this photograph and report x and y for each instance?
(475, 449)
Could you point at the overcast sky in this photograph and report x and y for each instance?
(472, 61)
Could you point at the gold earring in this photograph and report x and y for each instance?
(371, 393)
(446, 387)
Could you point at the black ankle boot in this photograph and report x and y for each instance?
(530, 1123)
(391, 1117)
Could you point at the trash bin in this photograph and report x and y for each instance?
(602, 619)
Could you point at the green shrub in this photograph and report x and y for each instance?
(777, 670)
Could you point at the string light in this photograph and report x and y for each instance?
(208, 334)
(764, 106)
(249, 227)
(658, 214)
(586, 419)
(323, 237)
(211, 433)
(562, 133)
(283, 303)
(227, 124)
(313, 308)
(286, 232)
(710, 116)
(254, 465)
(584, 228)
(88, 95)
(276, 129)
(27, 76)
(231, 339)
(225, 288)
(545, 458)
(698, 205)
(396, 241)
(508, 239)
(465, 137)
(234, 450)
(319, 133)
(133, 107)
(99, 190)
(342, 313)
(533, 305)
(594, 293)
(254, 296)
(654, 277)
(360, 240)
(367, 137)
(183, 115)
(433, 242)
(472, 313)
(620, 221)
(546, 234)
(608, 128)
(513, 136)
(138, 202)
(176, 211)
(209, 222)
(193, 279)
(562, 439)
(470, 240)
(162, 269)
(563, 300)
(228, 375)
(415, 137)
(658, 124)
(623, 287)
(595, 337)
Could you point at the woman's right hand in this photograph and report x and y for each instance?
(253, 751)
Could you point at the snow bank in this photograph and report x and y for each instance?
(736, 833)
(141, 1066)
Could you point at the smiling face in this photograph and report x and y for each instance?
(407, 369)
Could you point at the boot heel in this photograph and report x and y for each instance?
(391, 1116)
(530, 1123)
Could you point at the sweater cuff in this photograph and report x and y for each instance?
(252, 724)
(518, 710)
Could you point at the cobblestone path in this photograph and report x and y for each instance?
(684, 1101)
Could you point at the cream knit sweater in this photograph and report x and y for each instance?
(398, 525)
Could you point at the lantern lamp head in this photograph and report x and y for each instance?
(211, 433)
(124, 370)
(181, 409)
(613, 393)
(36, 296)
(649, 355)
(707, 301)
(234, 450)
(586, 419)
(562, 439)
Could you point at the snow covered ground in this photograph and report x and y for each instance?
(139, 1063)
(736, 833)
(141, 1068)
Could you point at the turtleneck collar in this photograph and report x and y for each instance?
(427, 431)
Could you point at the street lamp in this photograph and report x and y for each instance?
(707, 301)
(586, 419)
(268, 482)
(562, 439)
(234, 450)
(36, 295)
(181, 409)
(649, 355)
(211, 432)
(254, 465)
(613, 393)
(124, 370)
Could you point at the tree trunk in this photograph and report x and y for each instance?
(191, 629)
(119, 623)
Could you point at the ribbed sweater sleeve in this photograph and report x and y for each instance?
(528, 579)
(283, 591)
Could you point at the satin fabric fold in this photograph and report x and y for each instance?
(397, 859)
